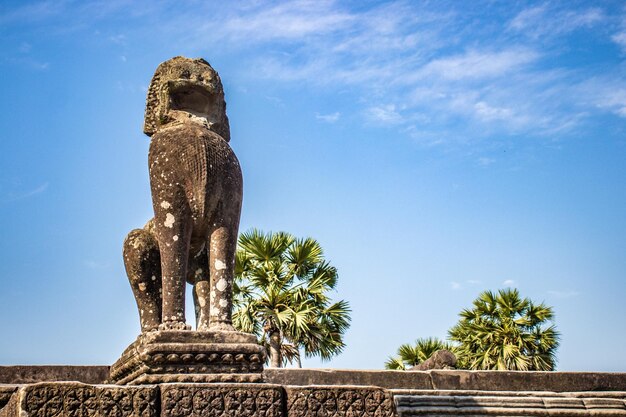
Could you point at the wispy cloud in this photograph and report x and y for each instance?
(508, 283)
(620, 39)
(564, 293)
(485, 161)
(418, 67)
(455, 285)
(544, 20)
(386, 115)
(91, 264)
(478, 64)
(27, 194)
(328, 118)
(286, 21)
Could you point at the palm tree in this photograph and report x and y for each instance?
(506, 332)
(280, 293)
(410, 355)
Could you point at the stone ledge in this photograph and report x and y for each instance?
(509, 405)
(544, 394)
(30, 374)
(397, 380)
(453, 379)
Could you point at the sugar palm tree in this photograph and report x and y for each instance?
(410, 355)
(506, 332)
(280, 293)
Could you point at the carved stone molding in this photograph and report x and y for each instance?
(186, 356)
(241, 400)
(69, 399)
(339, 402)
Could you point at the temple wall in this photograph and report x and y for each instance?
(80, 391)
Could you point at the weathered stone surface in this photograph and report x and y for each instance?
(346, 401)
(509, 404)
(384, 379)
(442, 359)
(398, 380)
(22, 374)
(197, 190)
(453, 379)
(5, 395)
(527, 381)
(221, 400)
(186, 356)
(70, 399)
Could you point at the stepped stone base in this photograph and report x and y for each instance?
(189, 356)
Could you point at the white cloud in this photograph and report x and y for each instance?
(25, 47)
(118, 39)
(328, 118)
(541, 21)
(21, 196)
(386, 114)
(620, 39)
(451, 77)
(527, 18)
(484, 161)
(479, 64)
(95, 265)
(508, 283)
(474, 281)
(564, 293)
(455, 285)
(607, 93)
(487, 112)
(286, 21)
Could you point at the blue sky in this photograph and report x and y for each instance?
(435, 149)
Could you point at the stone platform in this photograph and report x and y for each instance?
(184, 356)
(316, 392)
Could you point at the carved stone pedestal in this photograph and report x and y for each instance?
(189, 356)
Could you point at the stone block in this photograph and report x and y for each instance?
(188, 356)
(335, 401)
(221, 400)
(72, 399)
(508, 404)
(30, 374)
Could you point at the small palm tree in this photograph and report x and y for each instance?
(411, 355)
(280, 293)
(506, 332)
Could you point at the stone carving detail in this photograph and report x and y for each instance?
(78, 400)
(196, 186)
(339, 402)
(221, 401)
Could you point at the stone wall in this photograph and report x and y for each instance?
(30, 392)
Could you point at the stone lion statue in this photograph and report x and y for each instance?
(196, 186)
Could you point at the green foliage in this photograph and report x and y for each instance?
(506, 332)
(280, 293)
(411, 355)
